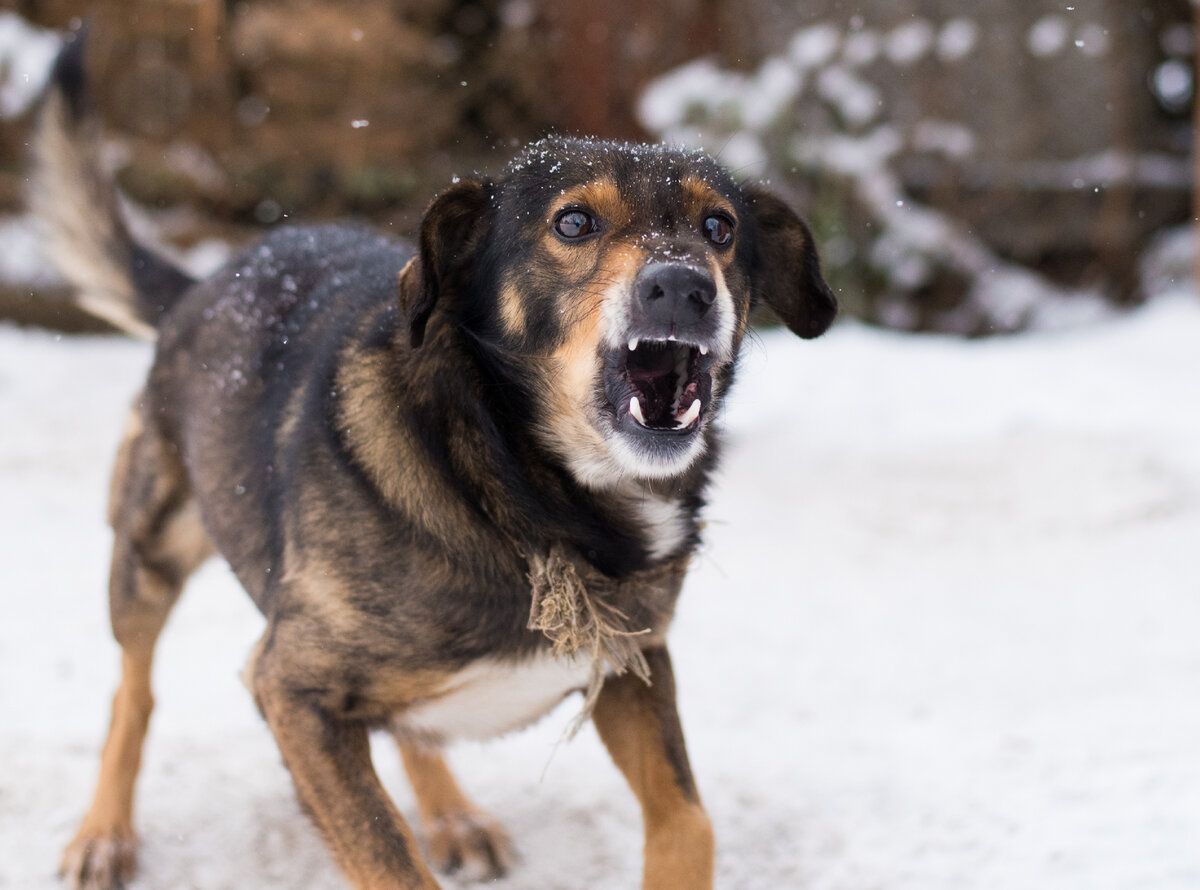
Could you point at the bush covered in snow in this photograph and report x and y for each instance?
(873, 131)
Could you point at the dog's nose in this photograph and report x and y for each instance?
(675, 293)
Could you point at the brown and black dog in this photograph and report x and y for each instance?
(461, 481)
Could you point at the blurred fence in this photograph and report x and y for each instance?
(966, 165)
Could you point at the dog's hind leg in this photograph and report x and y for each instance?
(158, 542)
(460, 837)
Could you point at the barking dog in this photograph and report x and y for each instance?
(461, 480)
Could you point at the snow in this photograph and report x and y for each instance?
(814, 46)
(942, 636)
(861, 48)
(856, 100)
(909, 43)
(950, 138)
(1093, 40)
(1178, 40)
(1172, 84)
(1169, 259)
(743, 153)
(775, 86)
(26, 53)
(668, 100)
(1048, 36)
(22, 262)
(957, 40)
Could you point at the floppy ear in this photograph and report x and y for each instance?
(451, 234)
(786, 267)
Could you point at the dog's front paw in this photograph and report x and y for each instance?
(102, 860)
(471, 846)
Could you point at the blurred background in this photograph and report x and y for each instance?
(969, 168)
(942, 634)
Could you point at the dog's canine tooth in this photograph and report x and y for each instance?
(693, 412)
(703, 349)
(635, 409)
(633, 343)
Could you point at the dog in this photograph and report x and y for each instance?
(461, 479)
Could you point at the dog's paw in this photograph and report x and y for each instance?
(471, 846)
(99, 860)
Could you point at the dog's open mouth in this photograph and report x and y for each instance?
(661, 386)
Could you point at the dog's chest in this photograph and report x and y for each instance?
(665, 522)
(491, 697)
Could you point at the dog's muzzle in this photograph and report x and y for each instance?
(658, 380)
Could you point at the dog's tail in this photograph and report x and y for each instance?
(85, 233)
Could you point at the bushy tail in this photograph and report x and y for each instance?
(77, 206)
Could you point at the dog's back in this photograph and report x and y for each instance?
(246, 370)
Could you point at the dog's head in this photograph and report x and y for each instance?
(614, 284)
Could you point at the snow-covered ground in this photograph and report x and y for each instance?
(945, 634)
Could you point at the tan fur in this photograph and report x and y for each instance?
(159, 541)
(641, 733)
(184, 537)
(512, 309)
(458, 835)
(602, 196)
(385, 451)
(133, 429)
(320, 594)
(702, 199)
(103, 851)
(574, 367)
(293, 416)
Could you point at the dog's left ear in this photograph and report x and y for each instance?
(452, 233)
(787, 270)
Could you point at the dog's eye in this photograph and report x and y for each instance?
(574, 224)
(718, 230)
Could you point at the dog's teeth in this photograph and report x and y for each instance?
(636, 410)
(672, 337)
(703, 349)
(633, 343)
(688, 418)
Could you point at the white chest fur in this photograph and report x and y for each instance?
(665, 522)
(491, 697)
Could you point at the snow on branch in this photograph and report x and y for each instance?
(818, 113)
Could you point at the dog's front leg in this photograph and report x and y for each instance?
(640, 727)
(330, 761)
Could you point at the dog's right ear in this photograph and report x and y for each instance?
(452, 233)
